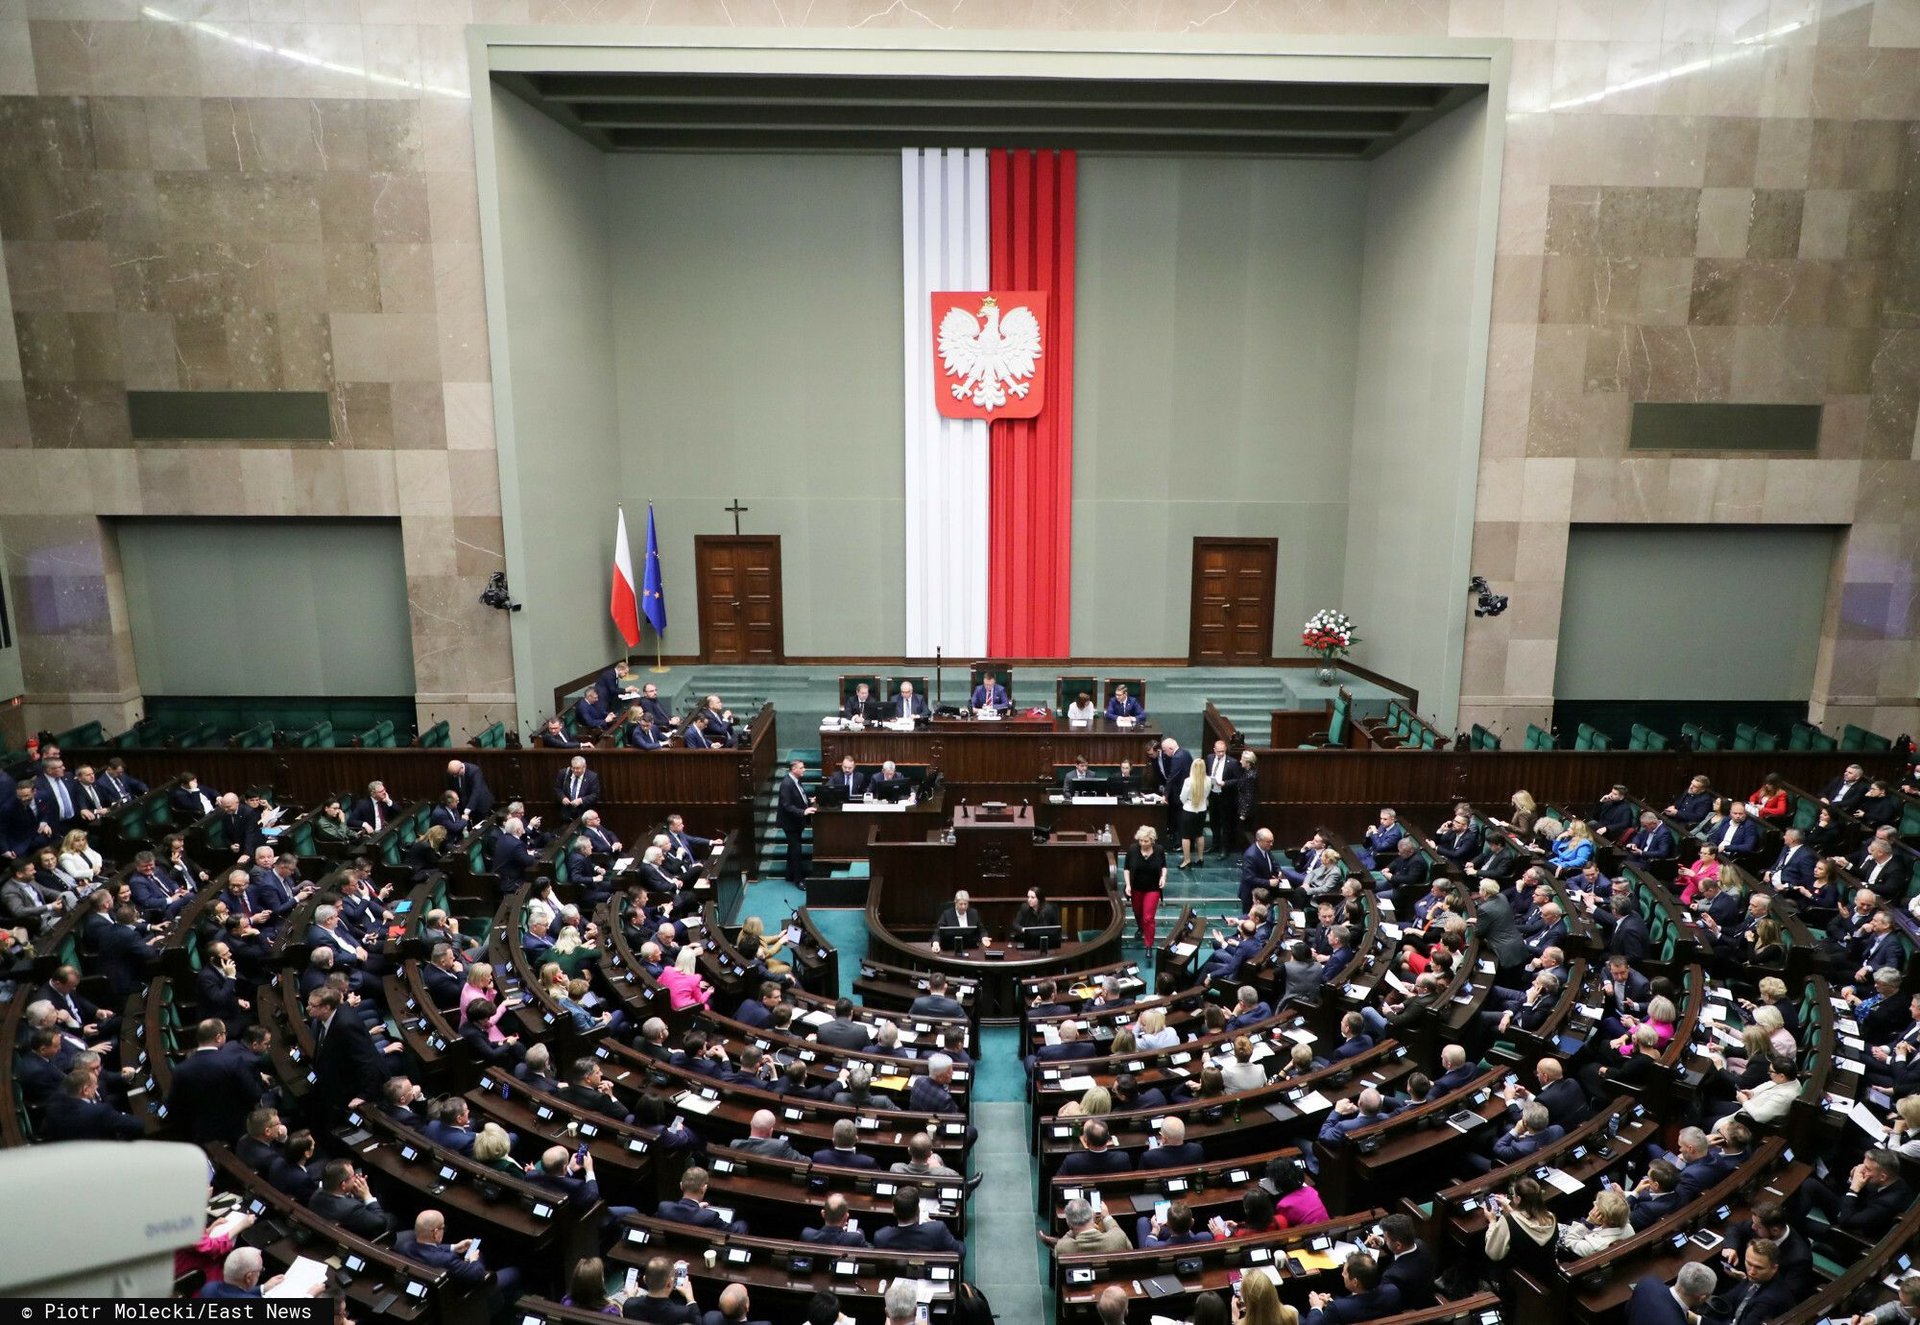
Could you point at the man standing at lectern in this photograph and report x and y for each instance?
(907, 704)
(1170, 769)
(990, 694)
(793, 810)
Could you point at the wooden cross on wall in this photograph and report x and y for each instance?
(736, 510)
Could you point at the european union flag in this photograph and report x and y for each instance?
(653, 602)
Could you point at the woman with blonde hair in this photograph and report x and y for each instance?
(1142, 876)
(1193, 816)
(755, 928)
(1123, 1043)
(1259, 1304)
(79, 860)
(1098, 1100)
(491, 1147)
(1153, 1032)
(1525, 813)
(685, 988)
(1604, 1225)
(1572, 850)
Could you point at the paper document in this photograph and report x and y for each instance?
(1562, 1181)
(1312, 1102)
(303, 1277)
(693, 1103)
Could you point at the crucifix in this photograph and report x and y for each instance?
(736, 510)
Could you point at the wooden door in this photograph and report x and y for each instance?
(739, 589)
(1232, 617)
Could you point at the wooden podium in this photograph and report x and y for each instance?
(993, 857)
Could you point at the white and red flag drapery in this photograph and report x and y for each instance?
(625, 607)
(988, 290)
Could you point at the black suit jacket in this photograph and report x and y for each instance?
(346, 1066)
(211, 1096)
(793, 803)
(475, 796)
(1412, 1273)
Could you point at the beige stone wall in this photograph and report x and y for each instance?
(1702, 199)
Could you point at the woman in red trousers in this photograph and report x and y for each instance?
(1145, 874)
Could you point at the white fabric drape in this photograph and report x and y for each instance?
(944, 211)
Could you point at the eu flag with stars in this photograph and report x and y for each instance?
(653, 602)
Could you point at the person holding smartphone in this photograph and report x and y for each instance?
(668, 1299)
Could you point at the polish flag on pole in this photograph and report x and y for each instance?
(626, 606)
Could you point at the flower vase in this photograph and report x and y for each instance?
(1325, 673)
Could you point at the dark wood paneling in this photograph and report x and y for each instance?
(715, 789)
(994, 760)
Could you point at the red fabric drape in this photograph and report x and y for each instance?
(1030, 503)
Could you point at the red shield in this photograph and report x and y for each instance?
(989, 353)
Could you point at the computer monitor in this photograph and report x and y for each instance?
(833, 797)
(897, 790)
(958, 938)
(1042, 938)
(1093, 784)
(874, 710)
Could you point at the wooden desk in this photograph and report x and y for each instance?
(843, 832)
(1011, 759)
(994, 858)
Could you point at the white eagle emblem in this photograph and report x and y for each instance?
(993, 359)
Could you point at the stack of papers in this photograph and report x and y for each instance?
(1562, 1181)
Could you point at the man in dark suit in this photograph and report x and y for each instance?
(345, 1198)
(847, 783)
(1845, 792)
(1874, 1198)
(1458, 840)
(1258, 869)
(261, 1150)
(1174, 1150)
(1407, 1262)
(936, 1002)
(1626, 930)
(961, 915)
(346, 1066)
(1652, 842)
(77, 1113)
(577, 788)
(861, 703)
(53, 794)
(1096, 1155)
(591, 713)
(1499, 936)
(1793, 867)
(117, 786)
(616, 687)
(907, 704)
(833, 1230)
(21, 826)
(466, 779)
(1170, 769)
(1407, 869)
(1739, 836)
(125, 951)
(793, 809)
(1223, 776)
(511, 860)
(1793, 1255)
(1367, 1298)
(842, 1031)
(373, 812)
(843, 1154)
(1763, 1296)
(692, 1207)
(212, 1094)
(465, 1270)
(1653, 1303)
(910, 1232)
(664, 718)
(990, 694)
(932, 1092)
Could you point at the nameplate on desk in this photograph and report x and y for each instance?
(875, 807)
(1096, 800)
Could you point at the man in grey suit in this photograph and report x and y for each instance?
(760, 1139)
(1500, 935)
(843, 1032)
